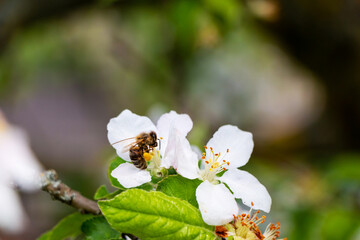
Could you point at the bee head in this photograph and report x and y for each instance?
(153, 135)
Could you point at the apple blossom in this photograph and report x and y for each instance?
(171, 128)
(229, 149)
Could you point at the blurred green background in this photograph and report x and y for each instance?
(288, 71)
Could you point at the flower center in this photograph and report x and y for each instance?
(154, 166)
(246, 227)
(214, 164)
(154, 157)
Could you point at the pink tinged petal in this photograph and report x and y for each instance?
(239, 143)
(217, 204)
(185, 159)
(129, 176)
(127, 125)
(248, 188)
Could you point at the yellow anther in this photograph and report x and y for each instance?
(147, 156)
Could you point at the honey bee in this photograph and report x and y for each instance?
(144, 143)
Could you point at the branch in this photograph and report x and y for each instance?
(51, 184)
(60, 191)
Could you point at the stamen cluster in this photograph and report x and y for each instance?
(213, 165)
(246, 227)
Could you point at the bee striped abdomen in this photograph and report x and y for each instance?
(136, 155)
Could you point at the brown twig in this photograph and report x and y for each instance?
(59, 191)
(51, 184)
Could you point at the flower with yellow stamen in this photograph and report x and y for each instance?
(213, 165)
(246, 227)
(229, 149)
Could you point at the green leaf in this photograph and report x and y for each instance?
(114, 164)
(180, 187)
(45, 236)
(98, 228)
(102, 192)
(67, 227)
(172, 171)
(155, 215)
(113, 194)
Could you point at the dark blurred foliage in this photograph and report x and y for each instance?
(325, 36)
(285, 70)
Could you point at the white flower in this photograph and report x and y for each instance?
(12, 218)
(228, 149)
(18, 168)
(171, 128)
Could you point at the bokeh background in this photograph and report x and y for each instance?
(288, 71)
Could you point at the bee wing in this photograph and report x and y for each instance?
(127, 147)
(126, 139)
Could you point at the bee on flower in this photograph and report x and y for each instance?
(229, 149)
(129, 126)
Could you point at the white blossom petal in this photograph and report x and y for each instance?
(172, 120)
(172, 126)
(12, 217)
(167, 148)
(17, 160)
(239, 143)
(196, 150)
(185, 159)
(182, 123)
(130, 176)
(127, 125)
(248, 188)
(217, 204)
